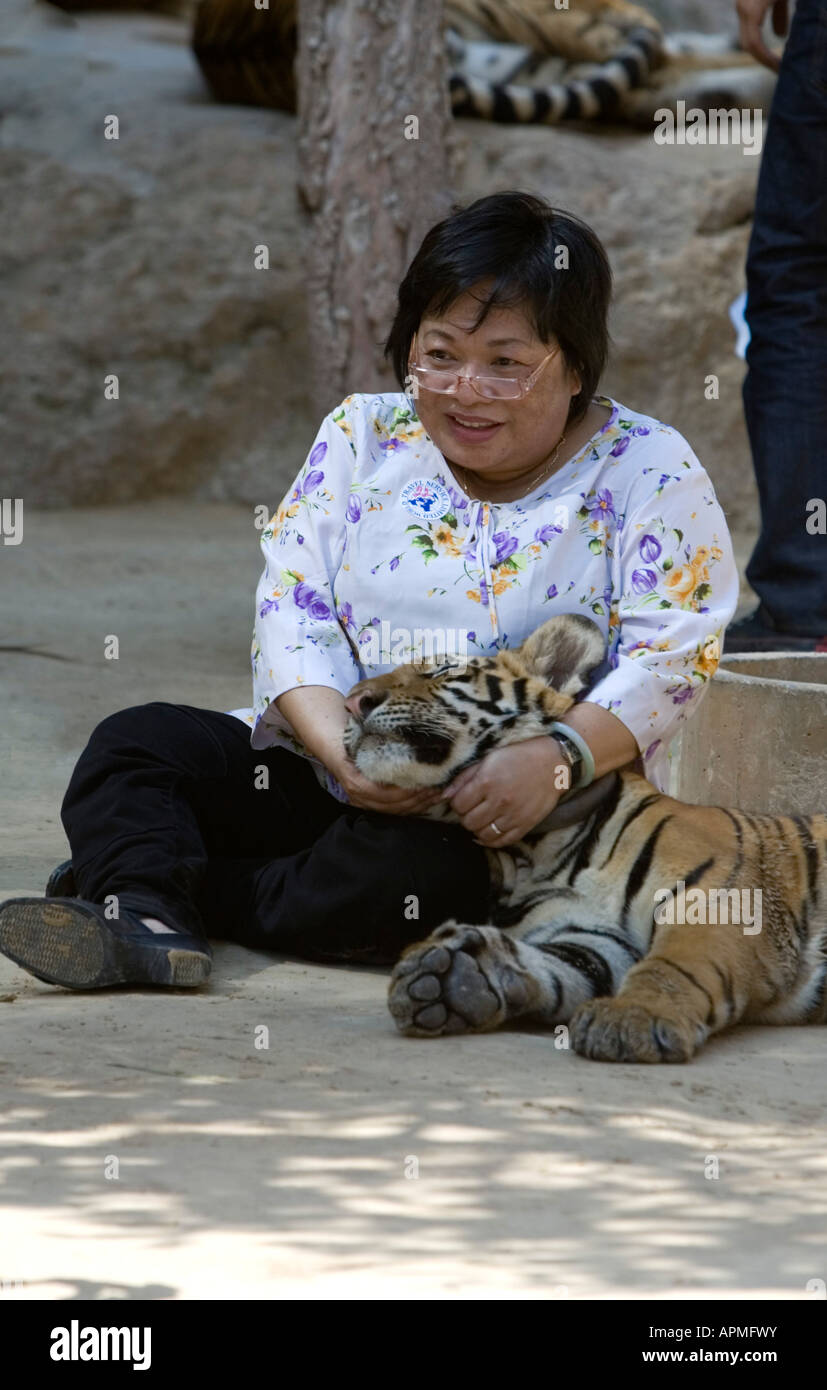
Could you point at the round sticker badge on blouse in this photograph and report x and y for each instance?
(425, 499)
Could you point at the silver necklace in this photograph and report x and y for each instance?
(546, 468)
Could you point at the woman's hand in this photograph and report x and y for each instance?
(317, 715)
(513, 787)
(377, 796)
(751, 15)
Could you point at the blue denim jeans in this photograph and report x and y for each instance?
(785, 391)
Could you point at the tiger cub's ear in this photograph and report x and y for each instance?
(564, 651)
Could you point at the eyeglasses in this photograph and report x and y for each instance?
(504, 388)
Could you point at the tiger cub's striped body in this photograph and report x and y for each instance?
(573, 936)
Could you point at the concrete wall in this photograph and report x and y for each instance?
(759, 740)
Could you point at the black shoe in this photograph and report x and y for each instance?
(62, 881)
(758, 633)
(69, 942)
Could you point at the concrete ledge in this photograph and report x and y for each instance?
(759, 739)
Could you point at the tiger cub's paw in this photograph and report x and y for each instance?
(612, 1030)
(460, 980)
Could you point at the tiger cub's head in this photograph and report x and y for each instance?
(418, 725)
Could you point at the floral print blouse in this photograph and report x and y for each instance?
(376, 552)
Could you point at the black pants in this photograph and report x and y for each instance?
(785, 390)
(167, 811)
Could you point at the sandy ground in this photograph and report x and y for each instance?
(342, 1161)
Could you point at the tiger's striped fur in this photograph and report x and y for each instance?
(247, 56)
(572, 937)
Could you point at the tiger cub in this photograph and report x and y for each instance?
(579, 931)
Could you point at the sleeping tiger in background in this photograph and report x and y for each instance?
(572, 936)
(511, 60)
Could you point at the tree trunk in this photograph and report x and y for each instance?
(374, 163)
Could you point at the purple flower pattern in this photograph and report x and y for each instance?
(631, 534)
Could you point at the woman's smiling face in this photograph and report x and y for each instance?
(518, 436)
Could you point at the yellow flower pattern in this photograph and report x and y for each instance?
(627, 531)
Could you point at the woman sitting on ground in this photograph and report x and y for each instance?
(493, 491)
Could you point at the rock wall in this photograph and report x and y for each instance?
(135, 257)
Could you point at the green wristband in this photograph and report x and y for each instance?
(585, 752)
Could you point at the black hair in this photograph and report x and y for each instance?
(515, 241)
